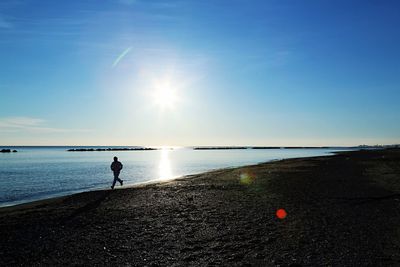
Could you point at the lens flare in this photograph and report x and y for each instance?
(281, 214)
(121, 56)
(246, 178)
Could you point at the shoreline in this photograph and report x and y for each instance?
(342, 210)
(153, 182)
(150, 182)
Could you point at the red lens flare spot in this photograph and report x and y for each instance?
(281, 214)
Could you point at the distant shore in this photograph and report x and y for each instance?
(342, 210)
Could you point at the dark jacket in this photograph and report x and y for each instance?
(116, 166)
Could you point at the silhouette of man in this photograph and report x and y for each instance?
(116, 167)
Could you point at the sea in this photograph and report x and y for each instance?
(36, 173)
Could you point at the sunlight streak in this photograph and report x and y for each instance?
(164, 167)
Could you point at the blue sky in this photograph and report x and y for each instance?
(136, 72)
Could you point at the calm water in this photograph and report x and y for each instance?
(35, 173)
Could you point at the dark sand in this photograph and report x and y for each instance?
(343, 210)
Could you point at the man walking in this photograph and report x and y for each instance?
(116, 167)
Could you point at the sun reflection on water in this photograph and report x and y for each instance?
(164, 167)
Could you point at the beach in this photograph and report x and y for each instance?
(342, 210)
(37, 173)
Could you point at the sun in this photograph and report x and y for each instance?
(166, 91)
(165, 97)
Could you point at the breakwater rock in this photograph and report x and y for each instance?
(7, 150)
(110, 149)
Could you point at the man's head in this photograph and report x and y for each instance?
(115, 159)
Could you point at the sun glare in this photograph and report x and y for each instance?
(165, 171)
(165, 90)
(165, 97)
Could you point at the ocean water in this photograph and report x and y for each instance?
(35, 173)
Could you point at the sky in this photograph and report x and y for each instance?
(189, 73)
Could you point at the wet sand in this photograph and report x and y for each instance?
(342, 210)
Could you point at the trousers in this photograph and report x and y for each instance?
(116, 178)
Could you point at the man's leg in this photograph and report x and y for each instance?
(116, 178)
(113, 184)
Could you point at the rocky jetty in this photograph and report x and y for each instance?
(110, 149)
(220, 147)
(7, 151)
